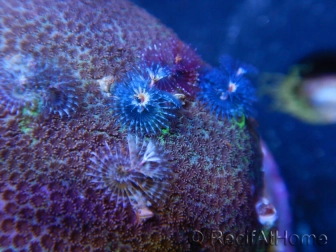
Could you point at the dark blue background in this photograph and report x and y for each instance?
(273, 35)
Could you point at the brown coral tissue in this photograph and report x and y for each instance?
(71, 177)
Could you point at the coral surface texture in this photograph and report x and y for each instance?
(104, 145)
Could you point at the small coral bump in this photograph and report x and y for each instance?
(142, 108)
(227, 90)
(106, 83)
(174, 66)
(267, 214)
(138, 176)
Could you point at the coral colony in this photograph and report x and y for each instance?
(106, 138)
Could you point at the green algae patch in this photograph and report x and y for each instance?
(241, 122)
(28, 117)
(164, 132)
(24, 127)
(28, 112)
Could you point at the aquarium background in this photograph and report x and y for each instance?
(273, 35)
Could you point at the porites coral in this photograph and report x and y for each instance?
(62, 209)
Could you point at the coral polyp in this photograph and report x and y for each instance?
(227, 90)
(142, 108)
(138, 176)
(180, 65)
